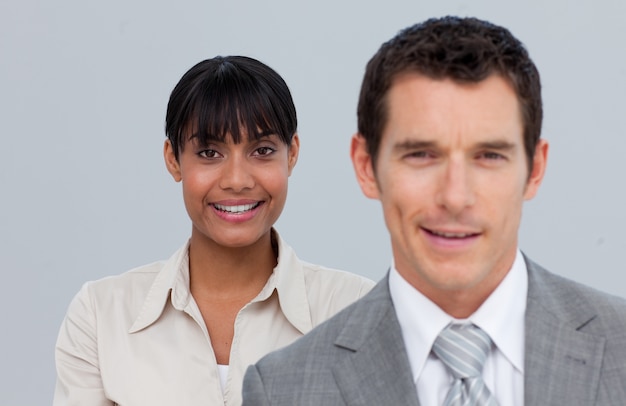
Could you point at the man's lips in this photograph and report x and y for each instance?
(451, 234)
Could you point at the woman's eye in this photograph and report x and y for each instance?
(209, 153)
(264, 151)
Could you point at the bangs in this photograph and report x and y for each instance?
(235, 103)
(236, 112)
(233, 96)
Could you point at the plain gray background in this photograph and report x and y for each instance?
(83, 90)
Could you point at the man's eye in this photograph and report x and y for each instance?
(420, 154)
(493, 155)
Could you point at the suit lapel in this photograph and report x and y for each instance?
(378, 370)
(562, 363)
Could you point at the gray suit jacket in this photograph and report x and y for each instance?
(575, 353)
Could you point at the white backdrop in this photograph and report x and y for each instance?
(83, 90)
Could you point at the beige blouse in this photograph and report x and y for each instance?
(139, 339)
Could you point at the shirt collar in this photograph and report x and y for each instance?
(287, 279)
(173, 277)
(501, 316)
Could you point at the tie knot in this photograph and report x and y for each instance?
(463, 349)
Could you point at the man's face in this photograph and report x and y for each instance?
(451, 175)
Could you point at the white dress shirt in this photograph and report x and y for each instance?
(139, 339)
(501, 316)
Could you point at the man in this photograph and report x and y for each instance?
(449, 141)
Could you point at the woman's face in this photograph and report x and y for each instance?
(233, 193)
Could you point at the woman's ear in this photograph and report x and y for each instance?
(171, 162)
(294, 150)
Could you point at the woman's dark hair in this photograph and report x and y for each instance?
(229, 96)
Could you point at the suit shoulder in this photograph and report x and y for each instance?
(322, 338)
(568, 291)
(319, 340)
(303, 363)
(308, 362)
(588, 309)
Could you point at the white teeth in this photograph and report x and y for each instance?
(236, 209)
(451, 235)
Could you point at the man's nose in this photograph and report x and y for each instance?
(455, 191)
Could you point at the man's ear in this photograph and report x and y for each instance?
(540, 161)
(172, 164)
(363, 166)
(294, 150)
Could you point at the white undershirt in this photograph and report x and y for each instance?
(501, 316)
(223, 370)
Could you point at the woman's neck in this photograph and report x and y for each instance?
(229, 272)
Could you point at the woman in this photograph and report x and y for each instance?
(183, 331)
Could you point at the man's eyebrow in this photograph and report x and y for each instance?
(413, 144)
(498, 145)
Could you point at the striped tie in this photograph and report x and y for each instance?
(463, 349)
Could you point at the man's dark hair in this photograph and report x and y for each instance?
(229, 96)
(466, 50)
